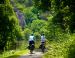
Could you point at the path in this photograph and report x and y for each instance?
(34, 55)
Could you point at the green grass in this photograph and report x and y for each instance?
(22, 52)
(14, 53)
(14, 56)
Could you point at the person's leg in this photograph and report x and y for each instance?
(31, 47)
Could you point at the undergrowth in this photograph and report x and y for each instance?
(62, 48)
(13, 53)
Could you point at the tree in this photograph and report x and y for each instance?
(8, 24)
(36, 25)
(42, 4)
(27, 33)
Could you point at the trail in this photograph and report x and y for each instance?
(34, 55)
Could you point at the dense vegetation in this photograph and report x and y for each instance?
(54, 18)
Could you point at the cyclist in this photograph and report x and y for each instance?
(43, 40)
(31, 43)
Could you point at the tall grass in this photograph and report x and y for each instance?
(21, 48)
(13, 53)
(61, 48)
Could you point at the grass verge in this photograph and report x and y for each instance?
(13, 53)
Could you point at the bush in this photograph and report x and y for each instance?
(37, 39)
(27, 32)
(37, 35)
(71, 51)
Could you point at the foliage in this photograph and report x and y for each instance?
(35, 10)
(27, 32)
(27, 3)
(2, 2)
(58, 29)
(59, 9)
(42, 4)
(36, 25)
(37, 36)
(71, 50)
(61, 48)
(29, 16)
(8, 24)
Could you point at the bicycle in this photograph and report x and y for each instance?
(42, 47)
(31, 48)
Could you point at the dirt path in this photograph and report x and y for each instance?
(34, 55)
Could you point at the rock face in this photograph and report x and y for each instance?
(21, 18)
(19, 14)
